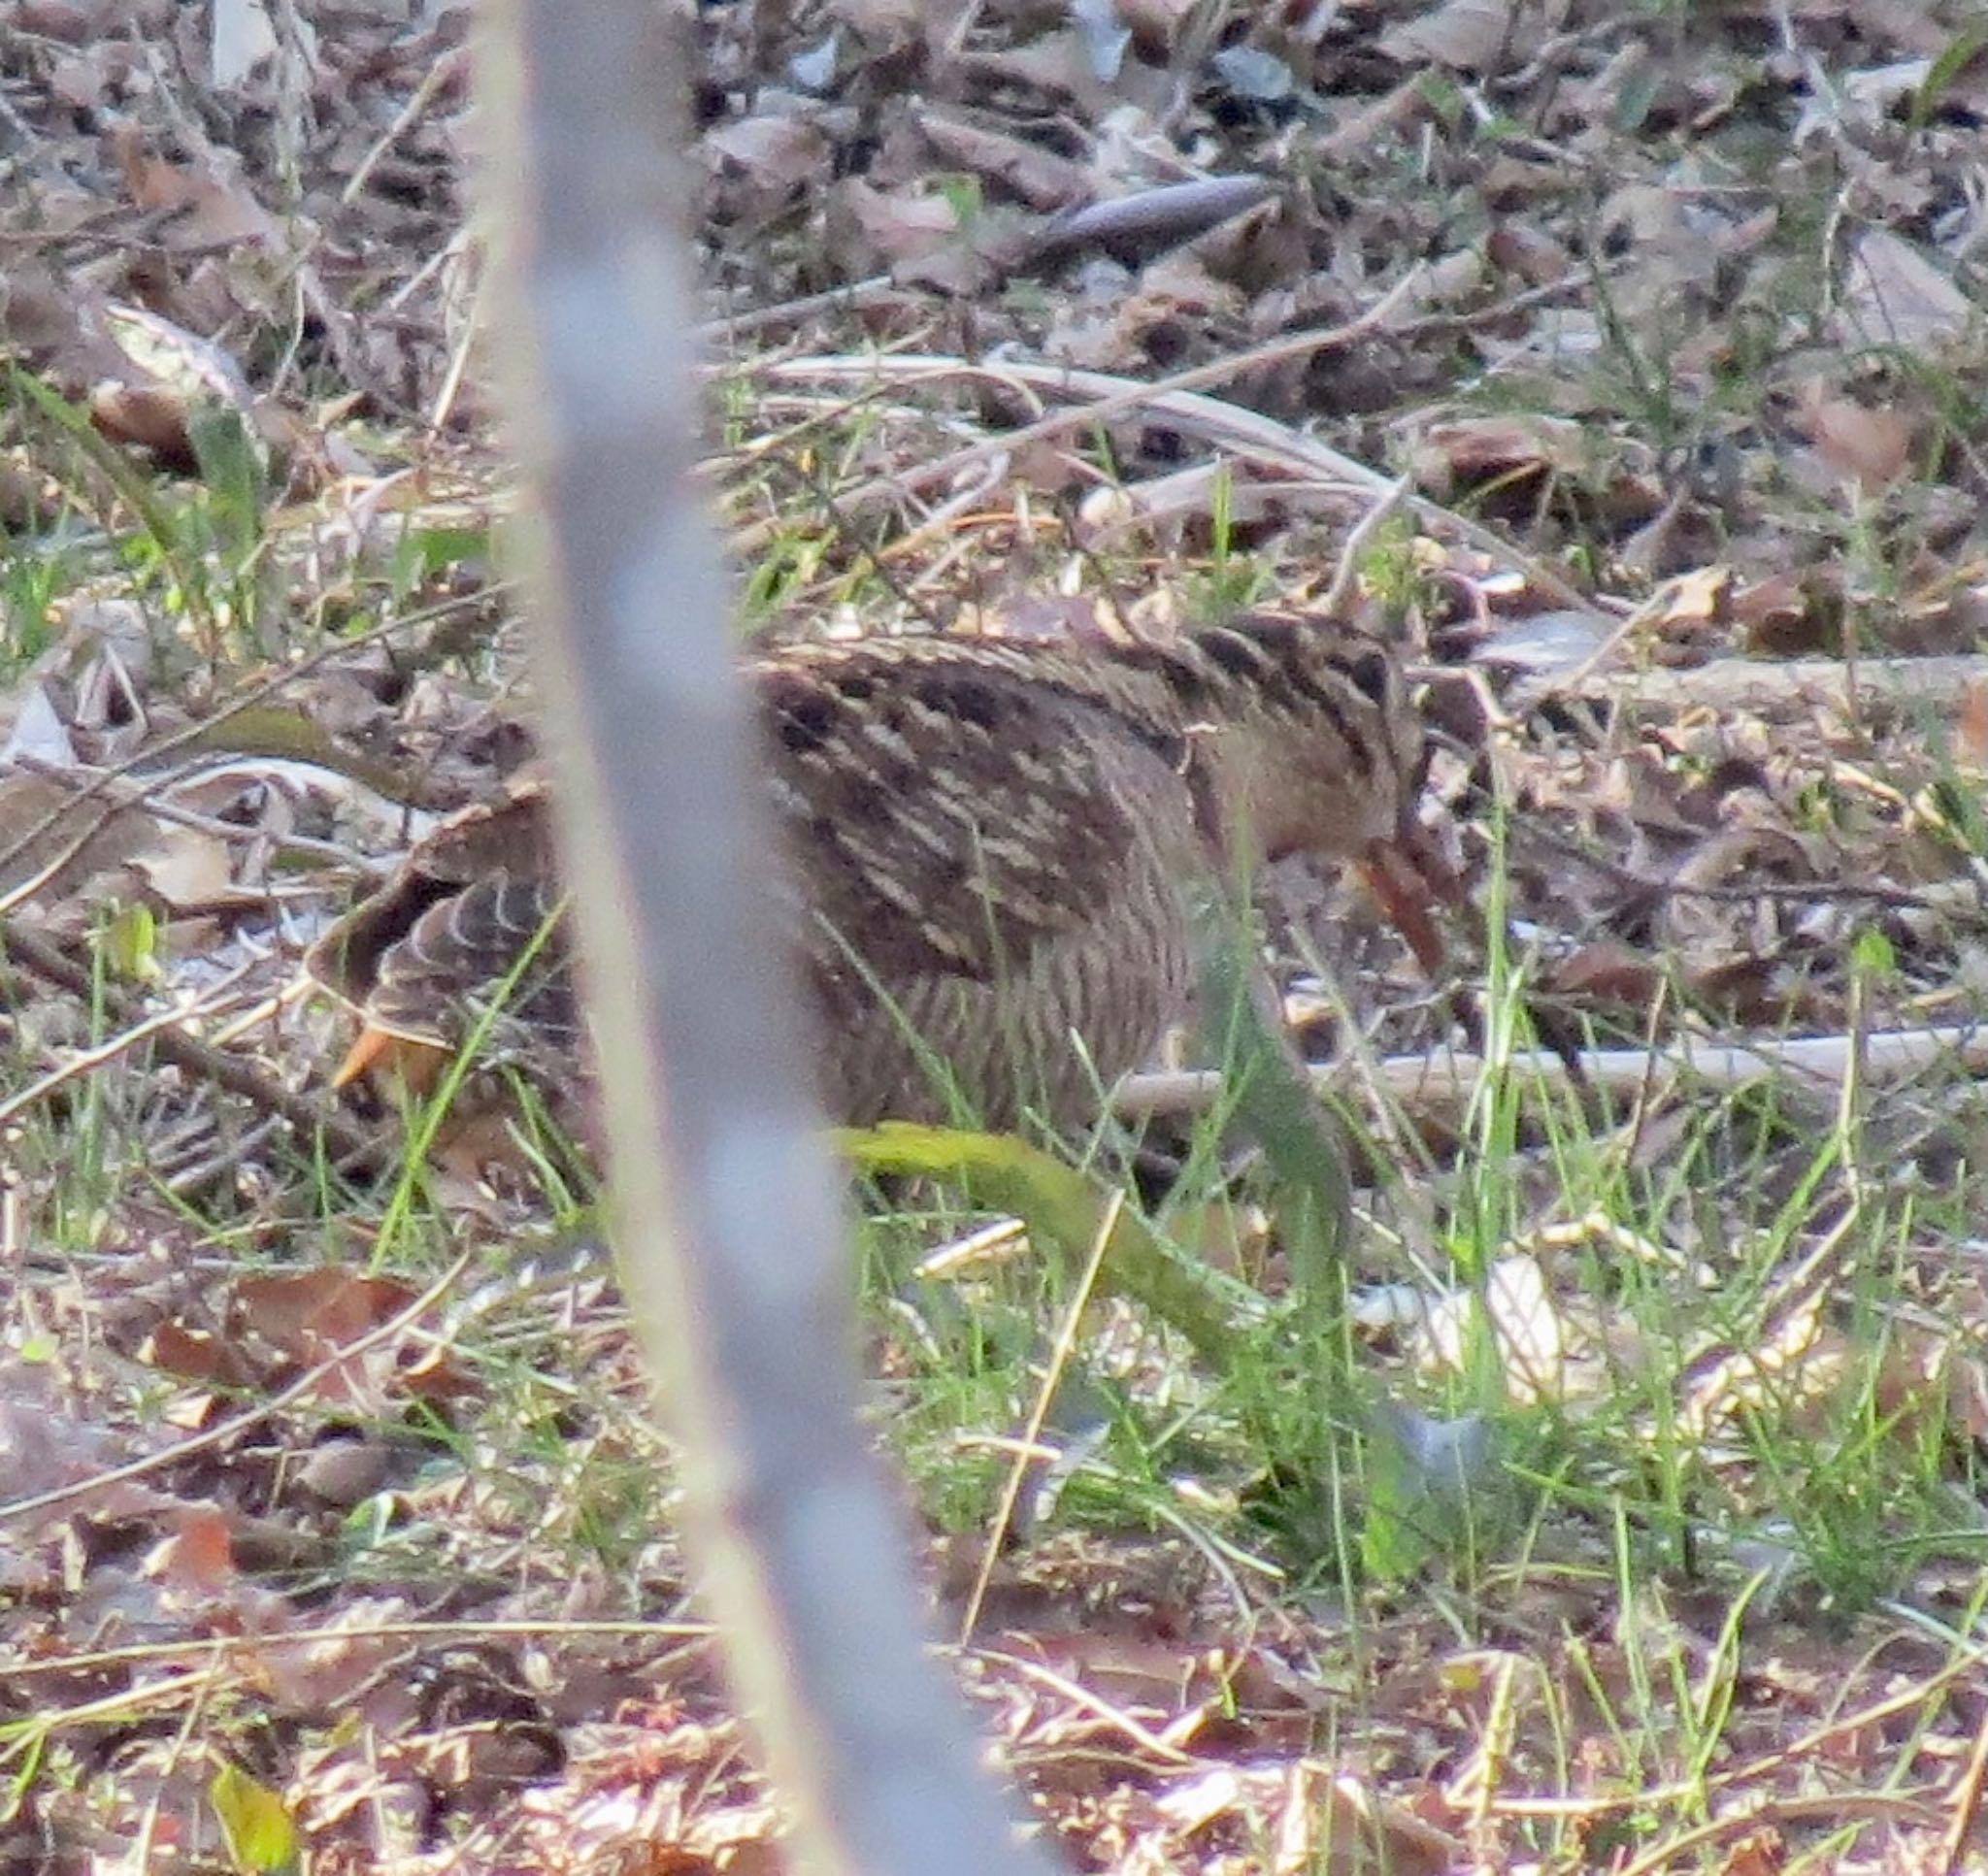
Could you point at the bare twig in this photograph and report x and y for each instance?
(82, 1061)
(1026, 1447)
(1093, 397)
(1761, 687)
(352, 1144)
(1888, 1056)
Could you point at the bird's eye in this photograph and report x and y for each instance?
(1368, 674)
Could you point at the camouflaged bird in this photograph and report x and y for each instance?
(998, 854)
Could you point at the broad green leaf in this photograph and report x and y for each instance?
(131, 944)
(1064, 1211)
(259, 1831)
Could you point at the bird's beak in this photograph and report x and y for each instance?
(1410, 876)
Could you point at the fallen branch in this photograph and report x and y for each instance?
(1091, 398)
(1424, 1081)
(1761, 687)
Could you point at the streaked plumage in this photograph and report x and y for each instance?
(992, 846)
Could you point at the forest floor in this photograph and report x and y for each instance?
(1627, 363)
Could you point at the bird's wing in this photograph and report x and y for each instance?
(421, 956)
(943, 820)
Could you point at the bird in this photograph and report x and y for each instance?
(997, 859)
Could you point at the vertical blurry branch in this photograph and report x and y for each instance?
(728, 1205)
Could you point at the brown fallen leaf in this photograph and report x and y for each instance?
(1465, 35)
(1971, 729)
(1895, 294)
(1868, 448)
(1471, 449)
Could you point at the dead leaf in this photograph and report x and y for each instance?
(926, 242)
(190, 869)
(1531, 1337)
(1018, 166)
(1971, 730)
(310, 1315)
(1894, 294)
(1313, 1817)
(1606, 972)
(778, 151)
(1465, 35)
(77, 848)
(1871, 448)
(1471, 449)
(45, 1448)
(343, 1472)
(38, 733)
(1067, 63)
(194, 1354)
(1791, 615)
(887, 22)
(210, 210)
(1157, 26)
(198, 1557)
(72, 23)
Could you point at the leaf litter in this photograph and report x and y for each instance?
(1681, 352)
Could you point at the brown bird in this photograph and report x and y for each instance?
(998, 855)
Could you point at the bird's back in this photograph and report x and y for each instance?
(983, 864)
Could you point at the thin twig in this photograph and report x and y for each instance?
(82, 1061)
(203, 734)
(1890, 1057)
(1097, 396)
(1353, 549)
(353, 1147)
(1029, 1445)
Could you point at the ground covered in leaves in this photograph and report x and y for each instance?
(1628, 363)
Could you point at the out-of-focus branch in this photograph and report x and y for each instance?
(731, 1249)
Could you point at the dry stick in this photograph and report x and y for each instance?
(1029, 1445)
(1105, 396)
(1625, 630)
(201, 735)
(1829, 1807)
(855, 296)
(1353, 549)
(82, 1061)
(1967, 1801)
(1765, 687)
(1371, 128)
(1641, 1105)
(1889, 1056)
(731, 1245)
(343, 1632)
(1246, 433)
(1956, 896)
(439, 74)
(107, 812)
(168, 1764)
(352, 1144)
(1081, 1699)
(126, 1703)
(150, 799)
